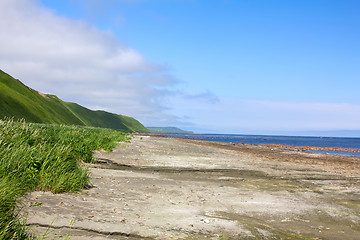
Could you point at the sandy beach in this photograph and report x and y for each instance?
(166, 188)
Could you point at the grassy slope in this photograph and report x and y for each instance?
(104, 119)
(19, 101)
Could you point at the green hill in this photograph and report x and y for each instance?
(167, 130)
(19, 101)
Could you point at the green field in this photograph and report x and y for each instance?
(44, 157)
(21, 102)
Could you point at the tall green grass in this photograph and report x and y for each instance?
(44, 157)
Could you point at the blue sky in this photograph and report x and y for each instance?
(225, 66)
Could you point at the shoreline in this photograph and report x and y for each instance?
(304, 148)
(168, 188)
(335, 163)
(339, 164)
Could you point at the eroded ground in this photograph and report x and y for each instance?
(162, 188)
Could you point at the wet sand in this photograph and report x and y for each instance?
(164, 188)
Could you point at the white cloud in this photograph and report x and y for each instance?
(207, 96)
(78, 62)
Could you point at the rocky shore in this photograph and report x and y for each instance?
(164, 188)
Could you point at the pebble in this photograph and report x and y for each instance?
(205, 220)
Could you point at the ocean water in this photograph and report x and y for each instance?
(329, 142)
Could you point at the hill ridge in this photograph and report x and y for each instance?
(19, 101)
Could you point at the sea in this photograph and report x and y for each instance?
(327, 142)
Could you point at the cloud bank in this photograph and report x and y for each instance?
(80, 63)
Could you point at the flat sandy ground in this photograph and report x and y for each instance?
(163, 188)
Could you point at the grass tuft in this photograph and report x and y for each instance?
(44, 157)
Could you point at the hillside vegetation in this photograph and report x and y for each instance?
(21, 102)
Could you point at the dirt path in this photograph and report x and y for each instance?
(161, 188)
